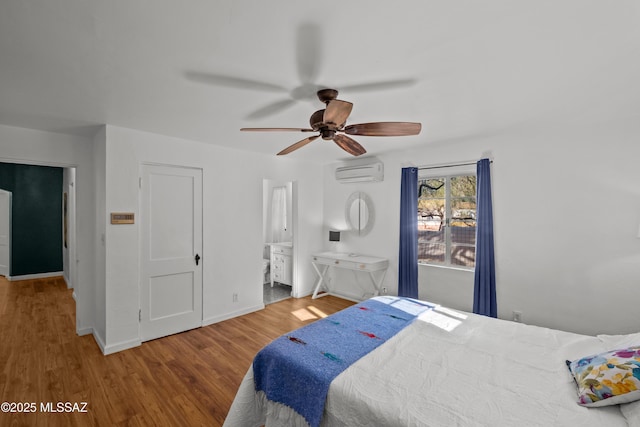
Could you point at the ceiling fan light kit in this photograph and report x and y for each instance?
(330, 125)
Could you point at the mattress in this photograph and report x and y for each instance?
(450, 368)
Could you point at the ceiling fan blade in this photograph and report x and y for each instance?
(384, 129)
(271, 109)
(308, 52)
(297, 145)
(390, 84)
(235, 82)
(349, 145)
(337, 112)
(276, 130)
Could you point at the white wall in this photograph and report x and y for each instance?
(566, 212)
(232, 224)
(19, 145)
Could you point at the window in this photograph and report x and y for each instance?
(447, 220)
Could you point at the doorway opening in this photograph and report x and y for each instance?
(43, 221)
(278, 225)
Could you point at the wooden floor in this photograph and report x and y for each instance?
(188, 379)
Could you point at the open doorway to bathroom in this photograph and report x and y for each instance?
(278, 231)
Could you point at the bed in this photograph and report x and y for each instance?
(442, 368)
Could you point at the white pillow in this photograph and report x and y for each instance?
(579, 346)
(631, 412)
(620, 341)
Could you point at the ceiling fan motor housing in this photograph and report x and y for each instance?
(326, 95)
(328, 134)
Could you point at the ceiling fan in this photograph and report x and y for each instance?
(330, 124)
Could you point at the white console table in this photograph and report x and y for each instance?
(375, 267)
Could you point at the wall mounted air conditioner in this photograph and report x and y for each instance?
(361, 173)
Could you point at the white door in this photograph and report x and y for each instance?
(5, 232)
(171, 250)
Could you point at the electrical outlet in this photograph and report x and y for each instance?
(517, 316)
(235, 297)
(384, 291)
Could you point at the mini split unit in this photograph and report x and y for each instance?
(362, 173)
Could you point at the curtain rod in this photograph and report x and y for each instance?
(450, 165)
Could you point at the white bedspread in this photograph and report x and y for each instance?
(483, 372)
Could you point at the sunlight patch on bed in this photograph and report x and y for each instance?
(407, 305)
(443, 318)
(452, 313)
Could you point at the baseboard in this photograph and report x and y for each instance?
(99, 341)
(84, 331)
(302, 294)
(348, 297)
(114, 348)
(67, 281)
(227, 316)
(125, 345)
(35, 276)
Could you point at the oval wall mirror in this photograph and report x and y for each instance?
(359, 213)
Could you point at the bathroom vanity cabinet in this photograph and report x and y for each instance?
(282, 263)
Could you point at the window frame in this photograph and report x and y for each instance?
(447, 172)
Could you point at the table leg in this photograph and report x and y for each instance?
(377, 283)
(321, 283)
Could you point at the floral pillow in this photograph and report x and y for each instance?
(607, 378)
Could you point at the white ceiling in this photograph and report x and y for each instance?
(200, 70)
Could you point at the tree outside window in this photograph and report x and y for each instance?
(447, 220)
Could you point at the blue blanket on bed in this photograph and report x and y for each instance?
(296, 369)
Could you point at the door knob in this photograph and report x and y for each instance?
(197, 259)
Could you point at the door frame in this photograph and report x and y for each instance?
(9, 197)
(295, 289)
(71, 228)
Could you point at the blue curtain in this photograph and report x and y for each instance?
(408, 259)
(484, 293)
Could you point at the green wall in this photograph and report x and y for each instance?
(36, 231)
